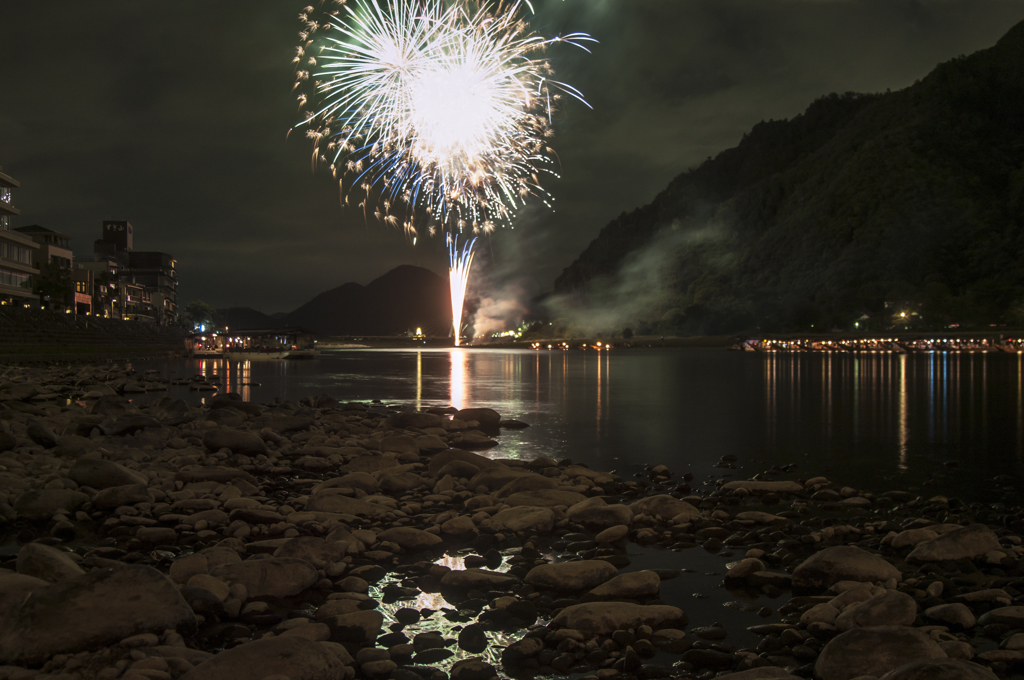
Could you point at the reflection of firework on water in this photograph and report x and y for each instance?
(444, 110)
(458, 276)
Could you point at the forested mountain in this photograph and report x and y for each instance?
(401, 300)
(246, 319)
(904, 202)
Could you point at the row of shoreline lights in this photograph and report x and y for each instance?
(565, 346)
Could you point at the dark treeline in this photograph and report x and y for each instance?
(863, 208)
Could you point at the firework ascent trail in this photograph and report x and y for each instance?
(439, 113)
(459, 263)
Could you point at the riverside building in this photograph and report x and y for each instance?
(54, 260)
(131, 284)
(18, 252)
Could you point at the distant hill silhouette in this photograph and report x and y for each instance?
(403, 299)
(246, 319)
(870, 205)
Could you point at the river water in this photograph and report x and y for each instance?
(930, 423)
(939, 423)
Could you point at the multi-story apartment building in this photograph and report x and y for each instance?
(54, 260)
(139, 285)
(54, 248)
(18, 252)
(155, 271)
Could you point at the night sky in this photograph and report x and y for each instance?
(174, 117)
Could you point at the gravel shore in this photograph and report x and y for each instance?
(321, 540)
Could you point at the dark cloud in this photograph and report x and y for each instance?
(174, 116)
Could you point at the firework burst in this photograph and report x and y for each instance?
(442, 111)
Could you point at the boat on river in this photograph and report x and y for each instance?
(257, 345)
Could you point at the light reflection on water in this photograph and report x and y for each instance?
(436, 622)
(873, 421)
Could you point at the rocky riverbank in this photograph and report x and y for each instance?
(328, 541)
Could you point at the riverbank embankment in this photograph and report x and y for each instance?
(318, 540)
(31, 335)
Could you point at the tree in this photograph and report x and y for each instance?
(199, 313)
(56, 285)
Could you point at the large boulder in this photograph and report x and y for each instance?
(316, 551)
(633, 585)
(282, 424)
(841, 563)
(528, 519)
(399, 444)
(1008, 616)
(970, 541)
(664, 506)
(411, 539)
(604, 618)
(116, 496)
(439, 460)
(237, 441)
(544, 498)
(363, 481)
(473, 668)
(956, 615)
(41, 434)
(358, 628)
(595, 513)
(290, 656)
(398, 483)
(222, 475)
(430, 443)
(911, 537)
(571, 576)
(417, 419)
(755, 486)
(277, 577)
(22, 391)
(891, 608)
(43, 503)
(466, 579)
(47, 563)
(370, 462)
(102, 474)
(90, 611)
(487, 417)
(940, 669)
(15, 588)
(524, 482)
(874, 651)
(335, 502)
(498, 478)
(762, 673)
(129, 424)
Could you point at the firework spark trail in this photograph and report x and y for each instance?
(460, 260)
(444, 110)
